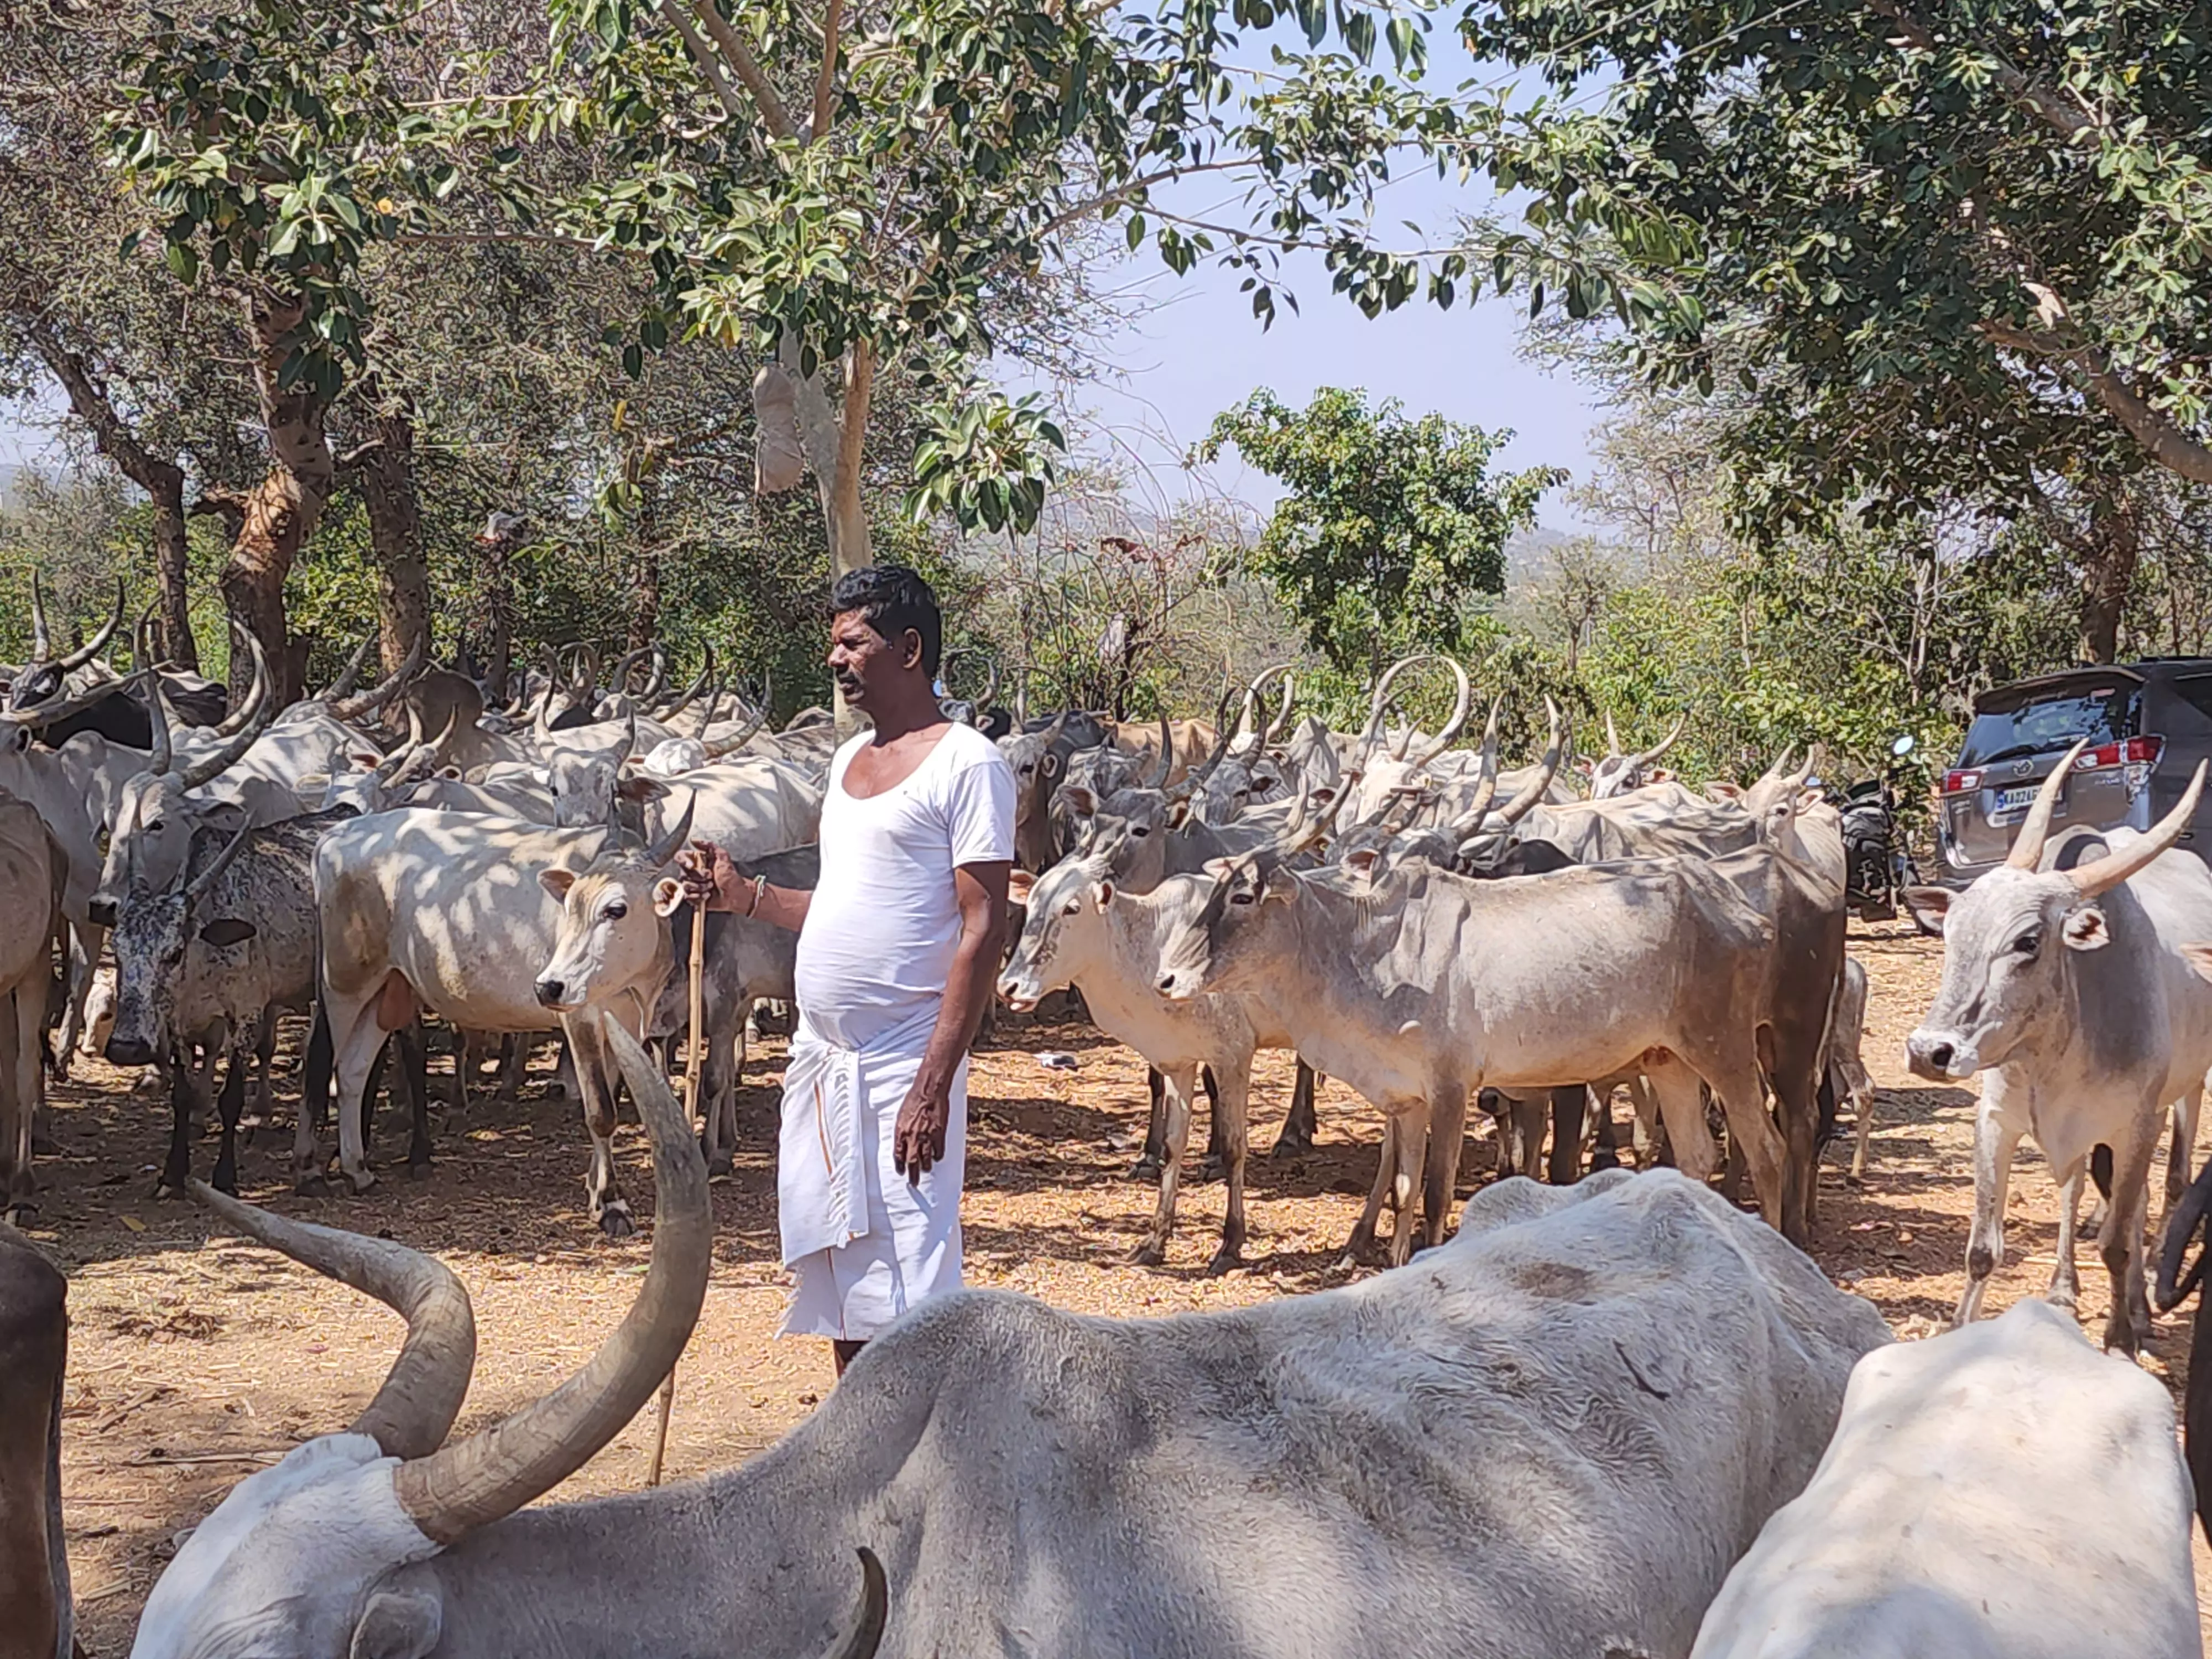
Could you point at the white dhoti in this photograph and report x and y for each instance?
(866, 1242)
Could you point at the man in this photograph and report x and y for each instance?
(898, 947)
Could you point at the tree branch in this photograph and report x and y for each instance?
(90, 403)
(2162, 438)
(825, 79)
(2046, 105)
(772, 111)
(724, 93)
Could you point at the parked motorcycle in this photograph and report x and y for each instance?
(1878, 865)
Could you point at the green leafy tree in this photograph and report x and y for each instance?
(1952, 251)
(1391, 529)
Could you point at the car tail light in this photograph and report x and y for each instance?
(1961, 783)
(2115, 754)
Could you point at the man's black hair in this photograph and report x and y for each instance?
(891, 599)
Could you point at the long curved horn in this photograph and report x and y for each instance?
(873, 1612)
(2115, 868)
(1445, 738)
(1159, 778)
(690, 692)
(1486, 788)
(618, 682)
(161, 756)
(717, 747)
(589, 664)
(1665, 743)
(1530, 792)
(414, 755)
(42, 647)
(1279, 727)
(1373, 730)
(1612, 737)
(663, 851)
(349, 676)
(2035, 824)
(201, 885)
(991, 687)
(235, 721)
(422, 1394)
(98, 643)
(405, 749)
(491, 1475)
(263, 702)
(656, 682)
(352, 709)
(706, 711)
(1195, 780)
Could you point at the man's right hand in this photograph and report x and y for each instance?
(711, 881)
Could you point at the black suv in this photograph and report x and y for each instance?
(2147, 724)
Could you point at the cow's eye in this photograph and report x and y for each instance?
(1240, 898)
(615, 910)
(1139, 831)
(2027, 944)
(1070, 907)
(153, 826)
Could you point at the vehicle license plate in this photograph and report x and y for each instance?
(2012, 804)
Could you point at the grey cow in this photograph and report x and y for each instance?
(1551, 1441)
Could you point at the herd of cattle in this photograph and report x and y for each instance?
(1615, 1416)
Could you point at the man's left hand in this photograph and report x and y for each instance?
(918, 1136)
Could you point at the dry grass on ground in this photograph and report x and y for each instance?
(196, 1358)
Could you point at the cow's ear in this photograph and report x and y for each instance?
(1018, 882)
(667, 896)
(1049, 766)
(365, 761)
(1102, 893)
(1079, 799)
(226, 931)
(557, 881)
(1724, 791)
(2084, 929)
(398, 1624)
(1363, 860)
(1930, 904)
(2199, 957)
(639, 786)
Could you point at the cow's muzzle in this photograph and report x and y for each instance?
(1011, 994)
(129, 1051)
(553, 993)
(102, 911)
(1941, 1056)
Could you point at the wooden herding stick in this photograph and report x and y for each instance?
(695, 1051)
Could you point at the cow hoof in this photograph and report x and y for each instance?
(723, 1168)
(164, 1188)
(1145, 1169)
(1285, 1147)
(1223, 1262)
(311, 1186)
(1149, 1254)
(418, 1168)
(1604, 1160)
(362, 1183)
(1210, 1169)
(615, 1222)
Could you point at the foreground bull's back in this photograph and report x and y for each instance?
(1550, 1438)
(2002, 1492)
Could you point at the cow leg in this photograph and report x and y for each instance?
(1298, 1127)
(2128, 1325)
(1215, 1163)
(1155, 1155)
(1863, 1111)
(595, 1081)
(1177, 1086)
(176, 1166)
(1413, 1156)
(413, 1042)
(1742, 1091)
(21, 1037)
(1386, 1168)
(1447, 1138)
(357, 1037)
(85, 943)
(1682, 1105)
(1649, 1140)
(1230, 1108)
(1995, 1139)
(264, 1056)
(2181, 1154)
(2065, 1290)
(1529, 1114)
(230, 1106)
(1568, 1107)
(1605, 1151)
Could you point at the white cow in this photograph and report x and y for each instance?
(2002, 1492)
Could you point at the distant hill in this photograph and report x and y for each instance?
(1527, 555)
(9, 473)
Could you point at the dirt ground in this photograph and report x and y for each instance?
(196, 1358)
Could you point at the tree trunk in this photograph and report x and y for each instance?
(2109, 553)
(162, 479)
(499, 602)
(395, 533)
(282, 509)
(173, 570)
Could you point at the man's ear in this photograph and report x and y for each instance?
(557, 881)
(2085, 929)
(1018, 882)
